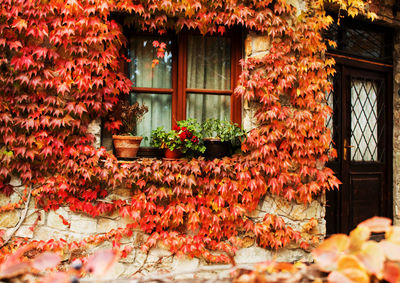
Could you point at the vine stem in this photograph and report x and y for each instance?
(21, 220)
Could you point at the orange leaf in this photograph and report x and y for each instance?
(338, 277)
(376, 224)
(372, 257)
(327, 254)
(391, 250)
(358, 237)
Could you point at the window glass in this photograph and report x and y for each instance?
(159, 114)
(203, 106)
(364, 120)
(209, 63)
(142, 53)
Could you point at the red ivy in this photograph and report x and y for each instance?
(59, 65)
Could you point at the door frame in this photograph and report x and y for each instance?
(338, 211)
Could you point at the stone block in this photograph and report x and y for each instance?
(32, 216)
(157, 254)
(248, 241)
(260, 43)
(268, 205)
(252, 255)
(45, 233)
(292, 255)
(247, 45)
(54, 220)
(71, 236)
(24, 231)
(15, 181)
(301, 212)
(116, 270)
(130, 258)
(397, 78)
(123, 192)
(16, 197)
(94, 128)
(105, 225)
(4, 199)
(184, 264)
(260, 55)
(83, 224)
(9, 219)
(301, 6)
(140, 258)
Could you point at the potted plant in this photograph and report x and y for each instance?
(127, 144)
(221, 137)
(184, 138)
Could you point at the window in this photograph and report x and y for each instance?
(195, 79)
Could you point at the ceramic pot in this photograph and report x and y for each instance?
(173, 154)
(215, 148)
(126, 146)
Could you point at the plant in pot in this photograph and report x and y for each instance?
(221, 137)
(183, 139)
(127, 144)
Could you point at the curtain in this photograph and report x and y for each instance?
(142, 74)
(208, 67)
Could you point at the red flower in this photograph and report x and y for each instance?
(183, 136)
(176, 128)
(195, 139)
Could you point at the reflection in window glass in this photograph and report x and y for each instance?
(159, 114)
(142, 53)
(203, 106)
(209, 63)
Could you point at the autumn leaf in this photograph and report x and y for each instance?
(376, 224)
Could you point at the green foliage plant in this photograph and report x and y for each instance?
(223, 130)
(185, 136)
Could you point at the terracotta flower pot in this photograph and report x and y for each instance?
(126, 146)
(215, 148)
(173, 154)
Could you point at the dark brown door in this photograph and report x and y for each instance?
(362, 131)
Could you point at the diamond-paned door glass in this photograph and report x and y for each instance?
(329, 102)
(360, 40)
(332, 102)
(365, 115)
(364, 43)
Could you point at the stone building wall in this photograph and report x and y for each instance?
(50, 225)
(388, 17)
(396, 129)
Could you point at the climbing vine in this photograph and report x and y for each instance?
(60, 70)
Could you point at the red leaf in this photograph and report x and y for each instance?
(391, 272)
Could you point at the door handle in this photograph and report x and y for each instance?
(346, 146)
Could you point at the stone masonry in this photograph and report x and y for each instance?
(159, 259)
(396, 129)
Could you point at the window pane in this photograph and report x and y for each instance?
(141, 53)
(364, 120)
(203, 106)
(209, 63)
(159, 113)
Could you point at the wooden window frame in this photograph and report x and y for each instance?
(179, 88)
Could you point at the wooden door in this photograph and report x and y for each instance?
(362, 131)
